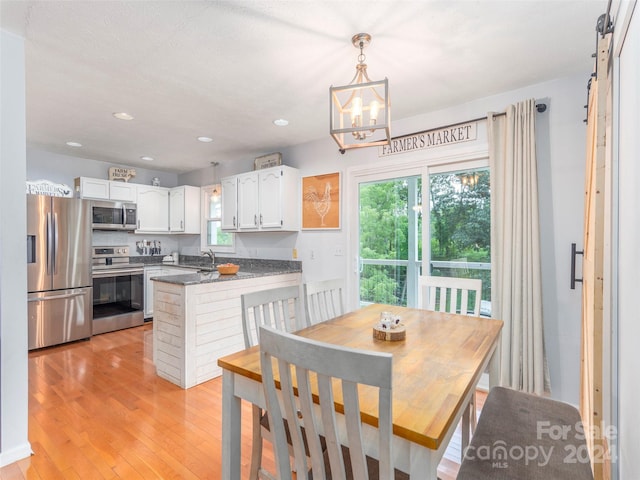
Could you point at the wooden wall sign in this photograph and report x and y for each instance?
(45, 187)
(463, 132)
(123, 174)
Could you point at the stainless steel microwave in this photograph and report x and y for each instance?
(107, 215)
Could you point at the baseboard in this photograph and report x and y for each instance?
(15, 454)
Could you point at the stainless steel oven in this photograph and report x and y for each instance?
(118, 290)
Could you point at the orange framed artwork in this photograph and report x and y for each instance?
(321, 202)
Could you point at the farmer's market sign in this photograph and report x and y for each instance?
(430, 139)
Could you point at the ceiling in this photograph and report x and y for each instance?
(227, 69)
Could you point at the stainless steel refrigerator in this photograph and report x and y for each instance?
(58, 270)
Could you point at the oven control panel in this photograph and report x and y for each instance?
(103, 252)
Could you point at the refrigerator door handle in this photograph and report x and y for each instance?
(54, 247)
(54, 297)
(49, 244)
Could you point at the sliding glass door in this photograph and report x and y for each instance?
(390, 240)
(432, 220)
(460, 227)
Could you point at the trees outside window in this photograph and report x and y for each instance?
(391, 222)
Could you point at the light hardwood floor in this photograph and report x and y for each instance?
(97, 410)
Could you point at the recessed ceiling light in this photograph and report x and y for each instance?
(205, 139)
(281, 122)
(147, 158)
(74, 144)
(123, 116)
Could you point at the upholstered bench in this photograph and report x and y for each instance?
(521, 436)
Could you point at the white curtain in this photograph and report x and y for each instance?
(516, 286)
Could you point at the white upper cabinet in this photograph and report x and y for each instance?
(184, 209)
(264, 200)
(125, 192)
(100, 189)
(153, 209)
(229, 201)
(248, 202)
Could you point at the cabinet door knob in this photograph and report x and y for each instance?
(260, 219)
(255, 220)
(234, 221)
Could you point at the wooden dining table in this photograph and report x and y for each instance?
(436, 369)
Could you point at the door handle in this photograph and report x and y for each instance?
(49, 244)
(574, 252)
(260, 219)
(55, 297)
(234, 220)
(55, 243)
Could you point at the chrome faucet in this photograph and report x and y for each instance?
(211, 255)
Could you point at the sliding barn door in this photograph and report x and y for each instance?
(595, 348)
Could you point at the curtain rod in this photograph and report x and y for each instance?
(540, 107)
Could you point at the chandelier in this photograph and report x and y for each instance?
(360, 112)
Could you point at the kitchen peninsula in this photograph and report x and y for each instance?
(198, 317)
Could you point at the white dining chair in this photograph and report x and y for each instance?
(324, 299)
(301, 362)
(454, 295)
(449, 294)
(280, 308)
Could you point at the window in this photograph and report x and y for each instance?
(213, 237)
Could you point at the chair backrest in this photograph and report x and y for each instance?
(449, 294)
(300, 360)
(324, 300)
(279, 308)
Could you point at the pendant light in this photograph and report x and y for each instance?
(216, 192)
(360, 111)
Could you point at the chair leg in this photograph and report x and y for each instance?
(256, 443)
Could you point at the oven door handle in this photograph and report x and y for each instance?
(117, 272)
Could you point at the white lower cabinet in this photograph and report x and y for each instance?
(158, 271)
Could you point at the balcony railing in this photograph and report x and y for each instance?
(387, 281)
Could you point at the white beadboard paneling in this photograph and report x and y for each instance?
(195, 325)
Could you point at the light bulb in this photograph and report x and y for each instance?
(374, 109)
(356, 112)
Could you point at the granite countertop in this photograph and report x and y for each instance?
(249, 268)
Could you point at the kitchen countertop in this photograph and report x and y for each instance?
(249, 268)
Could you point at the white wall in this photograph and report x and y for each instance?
(60, 168)
(628, 268)
(14, 443)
